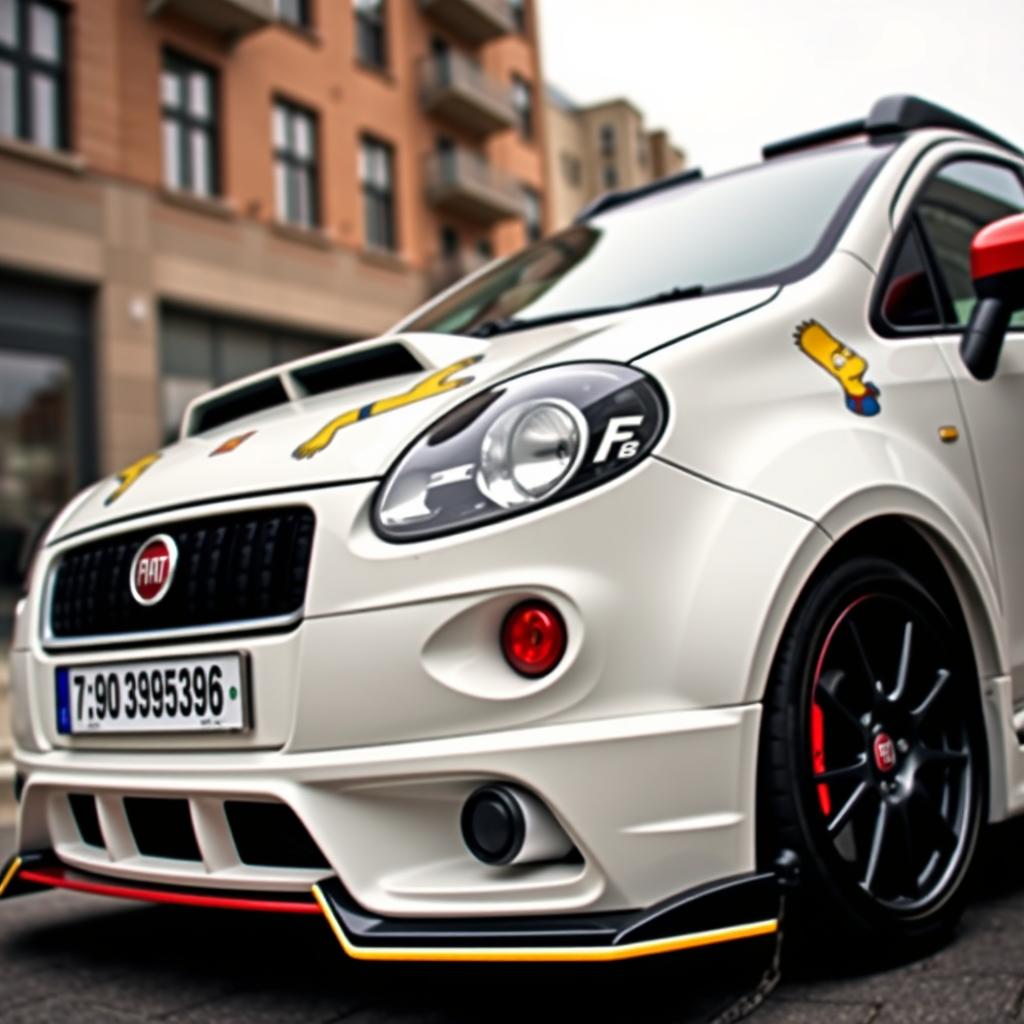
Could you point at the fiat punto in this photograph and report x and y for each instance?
(674, 559)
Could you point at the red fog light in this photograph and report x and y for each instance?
(533, 638)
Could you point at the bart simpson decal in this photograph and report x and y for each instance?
(436, 384)
(843, 364)
(130, 474)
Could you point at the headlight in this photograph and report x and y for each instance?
(535, 439)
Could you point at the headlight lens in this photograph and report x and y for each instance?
(536, 438)
(530, 451)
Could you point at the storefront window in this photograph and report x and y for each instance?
(37, 471)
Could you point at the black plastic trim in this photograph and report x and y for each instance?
(891, 115)
(730, 902)
(612, 200)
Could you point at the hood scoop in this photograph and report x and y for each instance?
(298, 380)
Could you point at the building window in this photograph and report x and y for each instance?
(607, 140)
(33, 80)
(449, 243)
(295, 171)
(522, 98)
(485, 250)
(534, 225)
(377, 175)
(199, 352)
(610, 176)
(518, 8)
(371, 33)
(189, 99)
(572, 170)
(293, 12)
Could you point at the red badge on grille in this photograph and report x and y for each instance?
(153, 569)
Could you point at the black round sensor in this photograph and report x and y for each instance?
(493, 827)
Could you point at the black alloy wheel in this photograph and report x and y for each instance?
(873, 757)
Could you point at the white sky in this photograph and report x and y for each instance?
(726, 76)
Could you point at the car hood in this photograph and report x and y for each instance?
(299, 439)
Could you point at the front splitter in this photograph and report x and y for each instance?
(743, 907)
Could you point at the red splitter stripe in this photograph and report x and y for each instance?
(56, 878)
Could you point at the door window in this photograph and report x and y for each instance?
(961, 199)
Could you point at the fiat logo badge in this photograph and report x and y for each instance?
(885, 753)
(152, 569)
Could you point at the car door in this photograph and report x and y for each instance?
(963, 195)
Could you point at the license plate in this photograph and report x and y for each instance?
(172, 695)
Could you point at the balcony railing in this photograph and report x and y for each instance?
(463, 183)
(229, 17)
(456, 89)
(476, 21)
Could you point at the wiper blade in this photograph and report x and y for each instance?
(502, 325)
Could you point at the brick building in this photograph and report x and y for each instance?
(191, 190)
(599, 148)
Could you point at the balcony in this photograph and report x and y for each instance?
(232, 18)
(475, 21)
(456, 89)
(464, 184)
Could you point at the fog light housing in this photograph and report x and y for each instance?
(533, 638)
(506, 825)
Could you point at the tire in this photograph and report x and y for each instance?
(873, 766)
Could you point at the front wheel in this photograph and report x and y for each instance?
(873, 761)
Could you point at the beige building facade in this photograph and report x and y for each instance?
(600, 148)
(191, 190)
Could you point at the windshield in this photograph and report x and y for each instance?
(763, 225)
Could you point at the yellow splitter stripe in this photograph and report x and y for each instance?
(535, 954)
(9, 877)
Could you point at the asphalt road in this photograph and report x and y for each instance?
(70, 957)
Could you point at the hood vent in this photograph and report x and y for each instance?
(234, 405)
(312, 377)
(346, 371)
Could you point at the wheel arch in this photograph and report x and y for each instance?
(946, 565)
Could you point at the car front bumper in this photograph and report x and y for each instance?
(389, 704)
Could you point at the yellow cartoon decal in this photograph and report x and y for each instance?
(130, 474)
(843, 364)
(436, 384)
(232, 443)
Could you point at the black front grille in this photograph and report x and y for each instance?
(83, 807)
(231, 568)
(271, 835)
(162, 827)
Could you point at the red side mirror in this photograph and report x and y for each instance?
(997, 250)
(997, 266)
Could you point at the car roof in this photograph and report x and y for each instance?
(889, 118)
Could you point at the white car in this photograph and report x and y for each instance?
(676, 555)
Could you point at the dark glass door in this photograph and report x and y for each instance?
(46, 418)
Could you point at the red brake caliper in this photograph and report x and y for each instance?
(818, 756)
(818, 717)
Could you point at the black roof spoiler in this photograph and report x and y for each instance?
(610, 200)
(890, 115)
